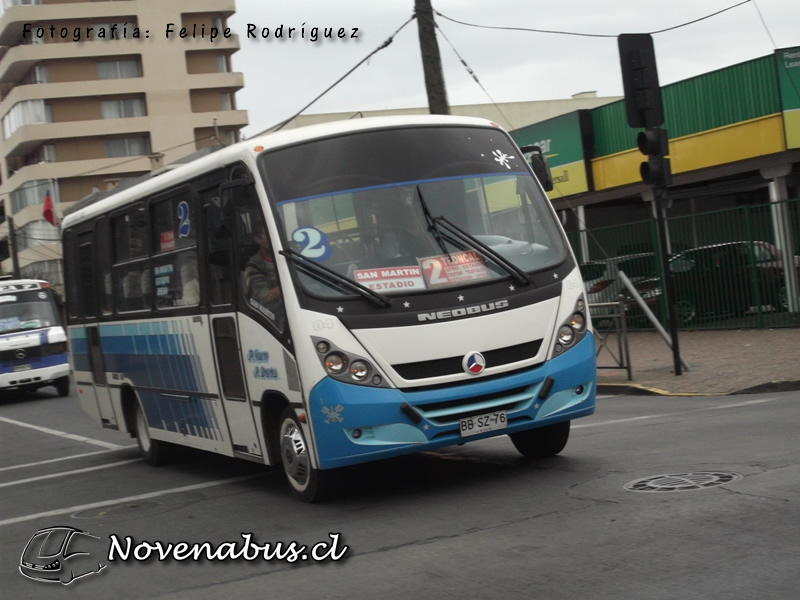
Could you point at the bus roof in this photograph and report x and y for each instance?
(220, 156)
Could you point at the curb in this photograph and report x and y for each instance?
(635, 389)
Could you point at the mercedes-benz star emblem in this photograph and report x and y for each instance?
(474, 363)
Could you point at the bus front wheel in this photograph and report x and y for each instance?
(542, 441)
(307, 483)
(154, 452)
(62, 386)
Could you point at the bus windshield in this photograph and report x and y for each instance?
(20, 311)
(423, 209)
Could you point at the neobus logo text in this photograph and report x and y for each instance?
(463, 312)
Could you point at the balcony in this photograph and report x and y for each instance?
(72, 89)
(28, 137)
(15, 17)
(18, 60)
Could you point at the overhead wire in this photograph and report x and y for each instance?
(581, 34)
(469, 69)
(386, 43)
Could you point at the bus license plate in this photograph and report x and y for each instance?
(18, 368)
(483, 423)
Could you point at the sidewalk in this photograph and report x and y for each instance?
(721, 362)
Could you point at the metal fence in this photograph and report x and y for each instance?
(727, 267)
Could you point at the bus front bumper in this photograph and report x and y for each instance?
(37, 374)
(355, 424)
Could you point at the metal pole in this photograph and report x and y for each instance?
(649, 314)
(669, 294)
(12, 238)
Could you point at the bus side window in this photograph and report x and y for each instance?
(218, 248)
(259, 275)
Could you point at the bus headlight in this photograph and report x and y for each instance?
(335, 363)
(566, 335)
(573, 329)
(359, 370)
(347, 367)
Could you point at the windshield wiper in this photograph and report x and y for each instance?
(485, 250)
(331, 275)
(432, 225)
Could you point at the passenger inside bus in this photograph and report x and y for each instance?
(260, 281)
(403, 231)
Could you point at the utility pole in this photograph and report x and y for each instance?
(12, 239)
(431, 60)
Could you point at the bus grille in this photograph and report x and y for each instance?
(452, 365)
(451, 411)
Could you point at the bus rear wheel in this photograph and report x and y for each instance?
(542, 441)
(154, 452)
(307, 483)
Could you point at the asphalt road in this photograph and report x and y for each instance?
(474, 521)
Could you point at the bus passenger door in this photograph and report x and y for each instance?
(102, 392)
(87, 278)
(224, 332)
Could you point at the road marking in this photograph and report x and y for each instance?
(82, 507)
(70, 457)
(675, 414)
(67, 473)
(616, 421)
(738, 404)
(63, 434)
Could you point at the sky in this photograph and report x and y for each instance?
(282, 74)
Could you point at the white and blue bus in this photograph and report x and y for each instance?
(33, 344)
(331, 295)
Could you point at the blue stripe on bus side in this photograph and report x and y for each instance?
(156, 355)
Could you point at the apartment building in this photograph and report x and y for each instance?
(92, 92)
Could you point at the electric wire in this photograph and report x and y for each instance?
(386, 43)
(470, 71)
(579, 34)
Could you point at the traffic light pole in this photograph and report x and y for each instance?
(669, 289)
(643, 108)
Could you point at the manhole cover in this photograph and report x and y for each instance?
(681, 482)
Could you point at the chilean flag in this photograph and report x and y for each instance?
(47, 209)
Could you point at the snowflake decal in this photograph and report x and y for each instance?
(502, 158)
(333, 415)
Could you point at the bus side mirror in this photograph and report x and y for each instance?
(539, 165)
(229, 195)
(227, 188)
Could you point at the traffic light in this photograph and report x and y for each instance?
(640, 80)
(656, 170)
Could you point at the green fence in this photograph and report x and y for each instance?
(726, 267)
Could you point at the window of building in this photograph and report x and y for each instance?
(30, 193)
(119, 69)
(222, 63)
(35, 234)
(128, 146)
(226, 99)
(44, 269)
(27, 112)
(38, 74)
(120, 109)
